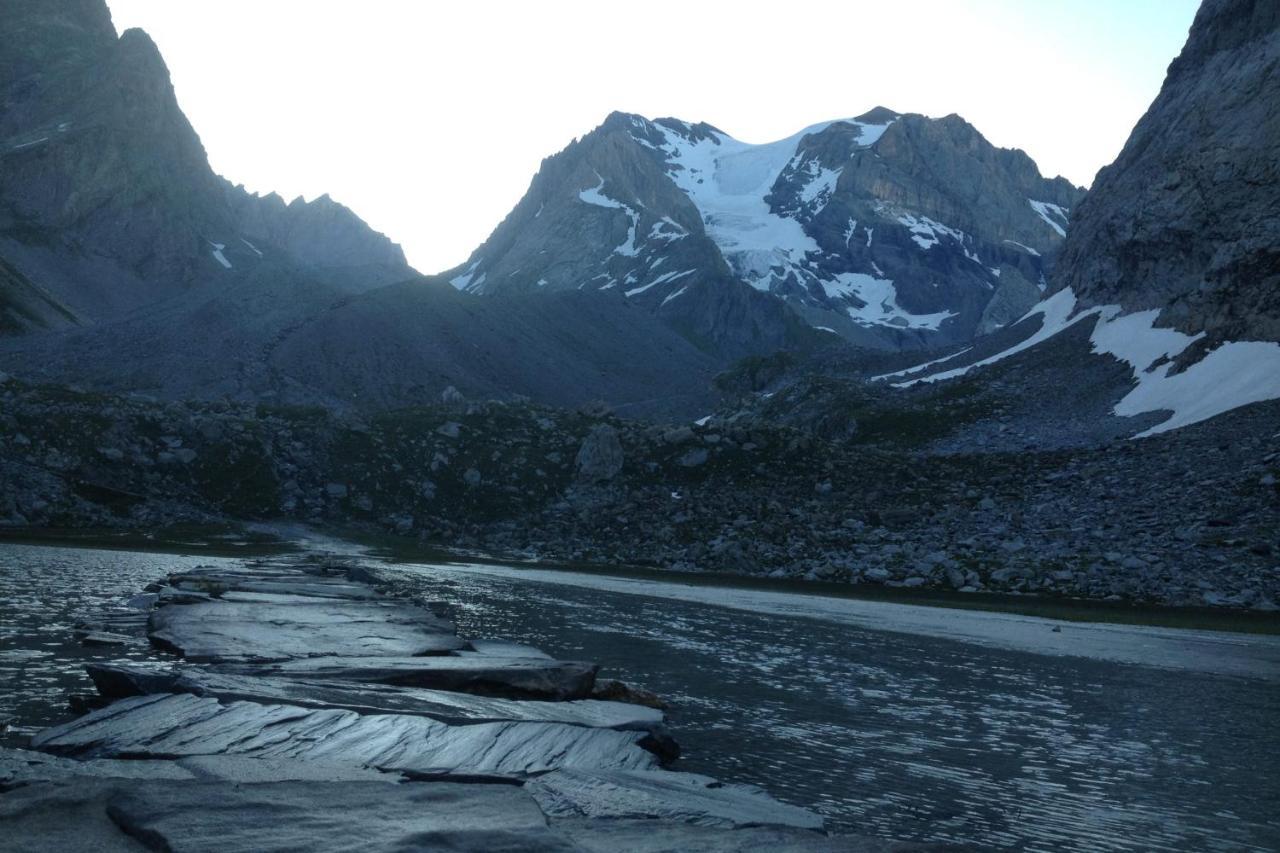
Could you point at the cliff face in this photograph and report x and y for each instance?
(107, 200)
(1187, 219)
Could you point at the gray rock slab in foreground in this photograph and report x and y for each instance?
(483, 674)
(23, 767)
(175, 726)
(119, 680)
(445, 706)
(213, 817)
(218, 631)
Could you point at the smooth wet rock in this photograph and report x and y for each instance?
(600, 457)
(121, 680)
(221, 631)
(182, 725)
(215, 817)
(677, 797)
(517, 678)
(25, 767)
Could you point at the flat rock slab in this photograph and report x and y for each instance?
(120, 680)
(446, 706)
(213, 817)
(221, 585)
(519, 678)
(227, 631)
(175, 726)
(677, 797)
(25, 767)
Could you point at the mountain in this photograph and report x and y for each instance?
(107, 200)
(893, 231)
(1187, 219)
(127, 264)
(1171, 269)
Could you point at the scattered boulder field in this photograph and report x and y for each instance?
(939, 488)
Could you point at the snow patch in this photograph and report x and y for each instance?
(920, 367)
(679, 292)
(662, 279)
(1232, 375)
(594, 196)
(727, 180)
(1051, 213)
(927, 233)
(1056, 313)
(821, 184)
(848, 234)
(252, 247)
(880, 302)
(217, 254)
(1027, 249)
(463, 280)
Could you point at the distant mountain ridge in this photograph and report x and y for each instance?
(891, 230)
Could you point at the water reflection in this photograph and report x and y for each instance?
(919, 738)
(44, 593)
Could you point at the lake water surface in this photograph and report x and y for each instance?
(885, 733)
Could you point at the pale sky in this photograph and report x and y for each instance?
(430, 118)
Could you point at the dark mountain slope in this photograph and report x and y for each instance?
(1187, 219)
(107, 201)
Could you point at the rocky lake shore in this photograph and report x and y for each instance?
(1189, 518)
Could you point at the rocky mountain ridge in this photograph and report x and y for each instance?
(1187, 219)
(954, 237)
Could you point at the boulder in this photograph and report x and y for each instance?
(600, 457)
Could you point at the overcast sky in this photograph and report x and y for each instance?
(429, 119)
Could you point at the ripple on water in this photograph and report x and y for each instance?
(919, 738)
(889, 734)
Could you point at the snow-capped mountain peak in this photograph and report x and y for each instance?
(889, 229)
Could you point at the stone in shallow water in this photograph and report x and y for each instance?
(182, 725)
(118, 680)
(217, 631)
(209, 817)
(25, 767)
(231, 585)
(491, 676)
(678, 797)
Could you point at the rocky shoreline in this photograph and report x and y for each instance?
(296, 704)
(1188, 518)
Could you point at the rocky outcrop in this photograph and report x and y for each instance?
(1187, 219)
(600, 456)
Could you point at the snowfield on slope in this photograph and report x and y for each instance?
(1233, 374)
(728, 181)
